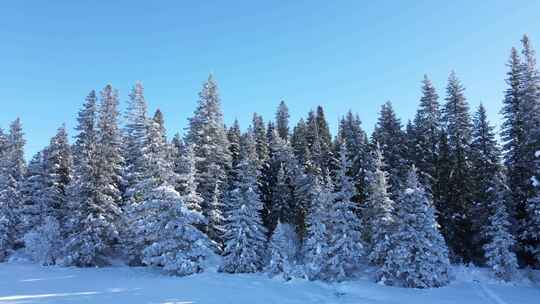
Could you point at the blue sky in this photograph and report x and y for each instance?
(340, 54)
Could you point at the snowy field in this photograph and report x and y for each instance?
(27, 283)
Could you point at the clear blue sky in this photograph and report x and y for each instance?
(341, 54)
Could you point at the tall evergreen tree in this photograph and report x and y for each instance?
(388, 134)
(166, 226)
(427, 129)
(420, 256)
(379, 212)
(259, 130)
(485, 159)
(529, 234)
(245, 235)
(355, 139)
(457, 214)
(347, 250)
(135, 135)
(282, 120)
(12, 170)
(499, 248)
(209, 139)
(94, 193)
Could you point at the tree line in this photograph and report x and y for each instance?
(290, 201)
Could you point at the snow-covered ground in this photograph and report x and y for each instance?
(27, 283)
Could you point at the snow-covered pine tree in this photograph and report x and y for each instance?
(165, 226)
(457, 214)
(485, 159)
(419, 258)
(500, 242)
(529, 230)
(32, 191)
(259, 130)
(283, 252)
(299, 142)
(427, 132)
(234, 135)
(346, 248)
(317, 249)
(12, 171)
(378, 214)
(209, 139)
(388, 134)
(58, 165)
(47, 208)
(282, 120)
(355, 138)
(160, 120)
(94, 195)
(135, 135)
(245, 236)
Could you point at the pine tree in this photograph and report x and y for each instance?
(245, 235)
(58, 165)
(499, 248)
(160, 120)
(209, 139)
(166, 226)
(346, 249)
(94, 194)
(388, 134)
(457, 214)
(259, 130)
(317, 248)
(427, 132)
(135, 135)
(282, 120)
(283, 252)
(529, 233)
(33, 210)
(299, 142)
(233, 135)
(419, 258)
(12, 170)
(485, 159)
(379, 212)
(351, 133)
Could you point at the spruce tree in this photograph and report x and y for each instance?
(347, 250)
(427, 129)
(166, 226)
(209, 139)
(355, 138)
(245, 235)
(457, 214)
(282, 120)
(388, 134)
(529, 233)
(419, 258)
(135, 135)
(94, 192)
(379, 212)
(485, 159)
(12, 170)
(317, 248)
(500, 242)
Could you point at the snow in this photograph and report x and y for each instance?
(29, 283)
